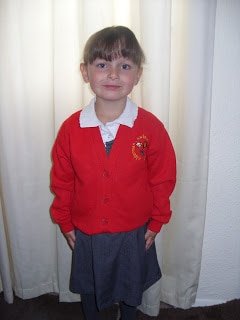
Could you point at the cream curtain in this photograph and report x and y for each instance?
(40, 85)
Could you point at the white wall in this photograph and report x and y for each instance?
(220, 272)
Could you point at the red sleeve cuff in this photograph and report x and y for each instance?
(66, 227)
(155, 226)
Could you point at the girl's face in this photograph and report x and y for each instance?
(111, 80)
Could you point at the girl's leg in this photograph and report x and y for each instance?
(127, 312)
(90, 308)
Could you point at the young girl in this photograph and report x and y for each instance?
(113, 173)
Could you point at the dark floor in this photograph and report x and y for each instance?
(47, 307)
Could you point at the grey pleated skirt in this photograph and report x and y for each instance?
(114, 266)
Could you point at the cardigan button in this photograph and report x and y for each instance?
(104, 221)
(106, 200)
(106, 174)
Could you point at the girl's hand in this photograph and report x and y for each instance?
(149, 238)
(70, 237)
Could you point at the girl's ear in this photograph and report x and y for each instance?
(83, 68)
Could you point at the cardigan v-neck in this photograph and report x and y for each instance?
(89, 119)
(121, 139)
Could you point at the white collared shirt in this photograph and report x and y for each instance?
(88, 118)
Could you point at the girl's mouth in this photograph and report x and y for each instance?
(111, 86)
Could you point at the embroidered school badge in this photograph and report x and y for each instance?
(139, 147)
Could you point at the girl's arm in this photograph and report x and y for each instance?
(162, 176)
(62, 182)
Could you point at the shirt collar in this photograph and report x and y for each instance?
(88, 117)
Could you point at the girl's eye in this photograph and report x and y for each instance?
(126, 66)
(101, 65)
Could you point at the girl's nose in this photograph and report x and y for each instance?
(113, 73)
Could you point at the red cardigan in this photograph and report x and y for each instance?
(98, 193)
